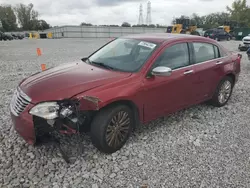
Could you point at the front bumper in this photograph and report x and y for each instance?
(24, 125)
(244, 47)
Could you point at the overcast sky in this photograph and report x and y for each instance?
(73, 12)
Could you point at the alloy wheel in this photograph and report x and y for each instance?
(225, 91)
(118, 129)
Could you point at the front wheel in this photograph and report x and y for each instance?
(111, 128)
(223, 92)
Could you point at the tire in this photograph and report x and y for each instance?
(228, 38)
(104, 120)
(215, 101)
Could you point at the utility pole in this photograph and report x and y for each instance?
(140, 22)
(148, 22)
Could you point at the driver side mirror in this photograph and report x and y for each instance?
(84, 58)
(162, 71)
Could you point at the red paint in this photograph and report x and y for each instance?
(154, 97)
(23, 124)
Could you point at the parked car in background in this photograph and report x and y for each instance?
(245, 43)
(17, 36)
(248, 53)
(14, 36)
(20, 36)
(10, 37)
(130, 80)
(217, 34)
(3, 36)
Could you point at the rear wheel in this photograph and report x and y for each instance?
(111, 128)
(223, 92)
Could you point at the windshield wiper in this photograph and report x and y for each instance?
(102, 65)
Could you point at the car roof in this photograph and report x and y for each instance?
(161, 37)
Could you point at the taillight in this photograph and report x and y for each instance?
(239, 56)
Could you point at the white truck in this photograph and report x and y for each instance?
(245, 43)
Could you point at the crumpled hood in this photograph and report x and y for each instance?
(67, 80)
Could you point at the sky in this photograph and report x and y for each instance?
(99, 12)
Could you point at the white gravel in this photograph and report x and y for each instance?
(198, 147)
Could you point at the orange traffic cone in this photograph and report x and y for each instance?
(38, 51)
(43, 67)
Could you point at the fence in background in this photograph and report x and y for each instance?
(99, 32)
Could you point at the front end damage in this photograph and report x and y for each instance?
(74, 116)
(70, 120)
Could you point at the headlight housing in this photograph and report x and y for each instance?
(46, 110)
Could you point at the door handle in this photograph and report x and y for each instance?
(219, 62)
(188, 72)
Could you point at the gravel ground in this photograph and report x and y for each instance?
(198, 147)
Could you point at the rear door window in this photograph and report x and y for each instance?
(204, 52)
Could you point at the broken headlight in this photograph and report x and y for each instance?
(46, 110)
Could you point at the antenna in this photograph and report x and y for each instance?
(140, 22)
(148, 22)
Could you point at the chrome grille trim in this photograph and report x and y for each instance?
(19, 102)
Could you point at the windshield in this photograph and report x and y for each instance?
(126, 55)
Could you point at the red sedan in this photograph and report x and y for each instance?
(129, 81)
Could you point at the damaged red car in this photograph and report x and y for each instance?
(127, 82)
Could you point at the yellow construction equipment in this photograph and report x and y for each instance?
(49, 35)
(226, 28)
(183, 26)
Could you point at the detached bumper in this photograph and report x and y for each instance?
(24, 126)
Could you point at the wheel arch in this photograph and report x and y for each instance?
(232, 76)
(131, 105)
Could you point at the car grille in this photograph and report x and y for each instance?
(19, 102)
(247, 40)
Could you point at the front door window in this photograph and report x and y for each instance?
(174, 57)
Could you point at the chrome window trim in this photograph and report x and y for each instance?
(199, 63)
(191, 65)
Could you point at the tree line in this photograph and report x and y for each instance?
(238, 15)
(24, 15)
